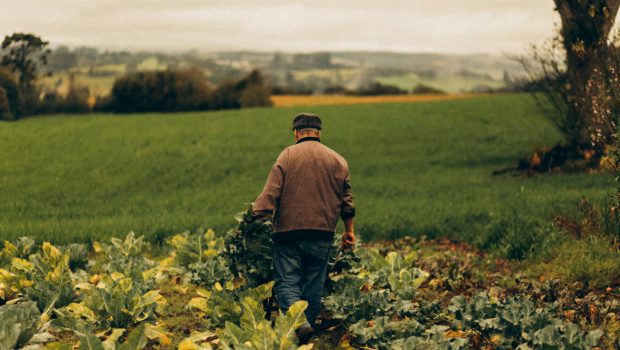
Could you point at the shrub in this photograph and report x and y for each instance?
(52, 102)
(335, 90)
(251, 91)
(104, 104)
(166, 91)
(10, 108)
(255, 96)
(5, 106)
(182, 90)
(380, 89)
(226, 96)
(76, 100)
(422, 89)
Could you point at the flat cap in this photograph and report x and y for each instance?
(307, 120)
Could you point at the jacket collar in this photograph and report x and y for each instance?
(309, 138)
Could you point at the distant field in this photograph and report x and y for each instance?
(331, 100)
(415, 168)
(450, 84)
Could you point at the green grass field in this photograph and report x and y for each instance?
(417, 168)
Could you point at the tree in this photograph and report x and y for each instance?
(165, 91)
(5, 106)
(585, 32)
(8, 84)
(254, 90)
(25, 52)
(76, 100)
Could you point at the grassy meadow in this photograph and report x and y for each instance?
(417, 168)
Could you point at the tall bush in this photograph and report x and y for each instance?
(5, 106)
(76, 100)
(24, 54)
(10, 107)
(165, 91)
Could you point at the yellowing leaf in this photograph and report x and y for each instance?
(21, 264)
(455, 334)
(94, 279)
(417, 282)
(168, 261)
(199, 303)
(116, 276)
(51, 252)
(187, 344)
(79, 310)
(496, 339)
(24, 283)
(150, 273)
(210, 235)
(178, 241)
(158, 332)
(203, 292)
(210, 253)
(5, 275)
(97, 247)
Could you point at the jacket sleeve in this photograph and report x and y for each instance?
(347, 210)
(267, 202)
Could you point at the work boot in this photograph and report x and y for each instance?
(304, 333)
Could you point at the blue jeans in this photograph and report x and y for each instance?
(300, 268)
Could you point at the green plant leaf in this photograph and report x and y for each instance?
(136, 339)
(253, 314)
(293, 319)
(572, 334)
(264, 338)
(90, 342)
(233, 333)
(18, 323)
(594, 337)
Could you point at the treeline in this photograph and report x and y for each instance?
(163, 91)
(183, 90)
(24, 56)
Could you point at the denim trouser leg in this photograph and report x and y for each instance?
(300, 268)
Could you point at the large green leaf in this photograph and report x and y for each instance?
(136, 339)
(233, 334)
(293, 319)
(572, 334)
(253, 314)
(264, 338)
(593, 338)
(90, 342)
(18, 323)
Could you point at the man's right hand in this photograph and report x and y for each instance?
(348, 240)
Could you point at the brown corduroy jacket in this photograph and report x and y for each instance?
(308, 189)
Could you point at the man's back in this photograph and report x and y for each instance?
(313, 189)
(310, 187)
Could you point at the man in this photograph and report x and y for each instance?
(307, 191)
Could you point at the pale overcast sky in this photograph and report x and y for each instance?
(459, 26)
